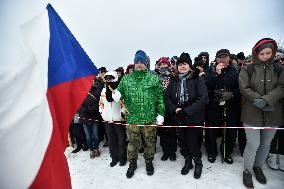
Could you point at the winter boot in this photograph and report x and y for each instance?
(105, 144)
(122, 162)
(92, 154)
(260, 177)
(165, 156)
(76, 150)
(173, 156)
(211, 158)
(85, 148)
(281, 162)
(247, 179)
(97, 153)
(198, 168)
(131, 169)
(228, 159)
(272, 161)
(113, 162)
(149, 168)
(187, 165)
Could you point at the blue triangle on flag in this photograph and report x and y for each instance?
(67, 59)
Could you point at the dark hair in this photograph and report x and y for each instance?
(103, 69)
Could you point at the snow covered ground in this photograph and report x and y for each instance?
(96, 173)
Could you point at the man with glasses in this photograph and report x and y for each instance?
(223, 108)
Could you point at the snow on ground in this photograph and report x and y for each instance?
(96, 173)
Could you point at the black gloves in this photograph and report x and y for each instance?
(181, 114)
(218, 95)
(109, 95)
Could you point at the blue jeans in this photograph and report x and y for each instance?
(92, 135)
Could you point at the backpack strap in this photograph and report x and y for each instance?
(249, 69)
(277, 69)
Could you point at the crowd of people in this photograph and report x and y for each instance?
(233, 97)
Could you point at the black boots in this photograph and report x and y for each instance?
(149, 168)
(165, 156)
(171, 155)
(211, 158)
(122, 162)
(247, 179)
(260, 177)
(76, 150)
(228, 159)
(187, 165)
(113, 162)
(198, 168)
(131, 169)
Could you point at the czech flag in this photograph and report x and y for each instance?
(40, 95)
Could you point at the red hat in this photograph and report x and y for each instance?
(164, 60)
(265, 42)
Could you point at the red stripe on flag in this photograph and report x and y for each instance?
(64, 100)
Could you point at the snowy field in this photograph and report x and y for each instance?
(96, 173)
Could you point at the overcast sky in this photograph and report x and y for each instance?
(111, 31)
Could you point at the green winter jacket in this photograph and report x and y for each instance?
(143, 96)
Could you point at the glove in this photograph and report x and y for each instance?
(218, 95)
(181, 113)
(268, 108)
(226, 95)
(109, 95)
(259, 103)
(160, 120)
(116, 96)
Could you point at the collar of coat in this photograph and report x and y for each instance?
(192, 75)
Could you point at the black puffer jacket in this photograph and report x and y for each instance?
(195, 104)
(90, 107)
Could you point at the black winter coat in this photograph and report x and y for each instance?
(227, 80)
(90, 107)
(194, 107)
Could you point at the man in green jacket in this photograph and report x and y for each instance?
(143, 96)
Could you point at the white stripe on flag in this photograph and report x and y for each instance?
(25, 122)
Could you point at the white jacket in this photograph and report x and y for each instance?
(110, 111)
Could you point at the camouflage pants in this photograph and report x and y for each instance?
(133, 134)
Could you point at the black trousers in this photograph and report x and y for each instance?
(168, 139)
(227, 143)
(102, 131)
(189, 139)
(79, 135)
(227, 115)
(277, 144)
(116, 141)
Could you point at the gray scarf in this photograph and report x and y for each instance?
(182, 92)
